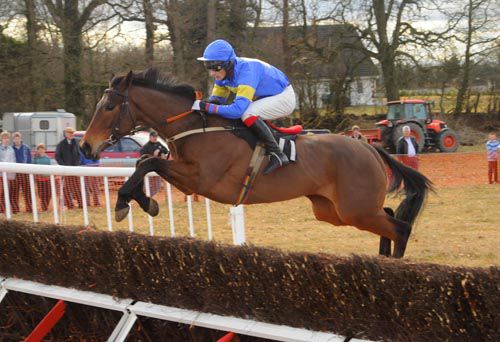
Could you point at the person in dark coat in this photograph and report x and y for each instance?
(154, 148)
(407, 148)
(68, 154)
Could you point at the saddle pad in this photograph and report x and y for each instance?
(287, 145)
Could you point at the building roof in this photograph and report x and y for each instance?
(321, 51)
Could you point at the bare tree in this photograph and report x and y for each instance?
(150, 30)
(32, 33)
(72, 18)
(388, 31)
(477, 32)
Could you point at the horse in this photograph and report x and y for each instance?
(345, 180)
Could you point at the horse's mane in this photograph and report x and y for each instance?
(152, 78)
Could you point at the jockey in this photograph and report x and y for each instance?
(262, 92)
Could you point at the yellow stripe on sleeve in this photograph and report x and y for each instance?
(246, 92)
(220, 91)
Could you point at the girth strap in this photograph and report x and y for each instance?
(252, 170)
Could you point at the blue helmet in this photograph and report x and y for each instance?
(218, 51)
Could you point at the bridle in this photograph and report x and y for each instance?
(124, 114)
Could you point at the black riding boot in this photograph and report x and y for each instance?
(276, 157)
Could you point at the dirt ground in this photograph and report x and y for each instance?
(455, 169)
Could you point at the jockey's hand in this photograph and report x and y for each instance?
(202, 106)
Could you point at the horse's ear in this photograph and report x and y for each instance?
(128, 79)
(111, 76)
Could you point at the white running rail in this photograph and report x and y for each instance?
(106, 173)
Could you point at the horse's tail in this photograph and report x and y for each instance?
(416, 187)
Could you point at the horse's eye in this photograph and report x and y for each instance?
(110, 106)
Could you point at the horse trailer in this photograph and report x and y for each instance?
(39, 127)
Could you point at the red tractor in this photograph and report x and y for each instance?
(430, 134)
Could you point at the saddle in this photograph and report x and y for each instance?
(285, 136)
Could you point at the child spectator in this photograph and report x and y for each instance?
(23, 156)
(42, 181)
(7, 155)
(492, 147)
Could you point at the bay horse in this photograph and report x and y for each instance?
(345, 179)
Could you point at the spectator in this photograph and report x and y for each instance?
(23, 156)
(7, 155)
(407, 148)
(492, 147)
(356, 134)
(42, 181)
(154, 148)
(91, 183)
(68, 154)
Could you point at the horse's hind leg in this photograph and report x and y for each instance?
(324, 210)
(385, 243)
(387, 227)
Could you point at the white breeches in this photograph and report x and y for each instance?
(272, 107)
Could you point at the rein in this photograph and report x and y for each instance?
(125, 113)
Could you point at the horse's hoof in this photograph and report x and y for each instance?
(120, 214)
(153, 209)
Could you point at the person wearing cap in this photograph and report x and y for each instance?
(262, 92)
(356, 134)
(154, 148)
(68, 154)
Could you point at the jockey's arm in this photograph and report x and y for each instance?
(247, 84)
(235, 110)
(219, 94)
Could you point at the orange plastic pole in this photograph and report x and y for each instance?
(47, 323)
(227, 338)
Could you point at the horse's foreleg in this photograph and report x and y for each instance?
(133, 189)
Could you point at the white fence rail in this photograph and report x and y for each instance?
(104, 176)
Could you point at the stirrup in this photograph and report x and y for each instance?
(273, 165)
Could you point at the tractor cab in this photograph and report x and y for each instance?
(417, 110)
(429, 133)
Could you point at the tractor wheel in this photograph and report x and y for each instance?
(385, 135)
(416, 131)
(447, 140)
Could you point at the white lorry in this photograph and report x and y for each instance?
(39, 127)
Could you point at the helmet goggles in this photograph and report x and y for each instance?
(215, 65)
